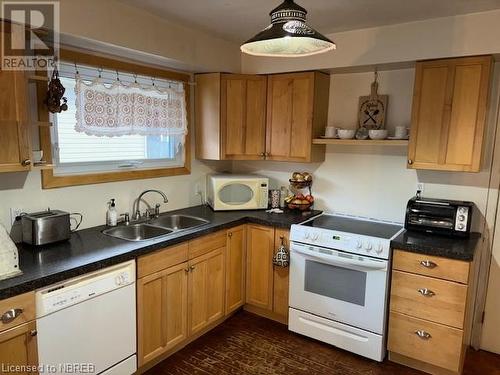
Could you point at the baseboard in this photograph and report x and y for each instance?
(266, 314)
(419, 365)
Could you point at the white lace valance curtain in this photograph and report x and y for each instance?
(116, 109)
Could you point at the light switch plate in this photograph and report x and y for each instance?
(421, 187)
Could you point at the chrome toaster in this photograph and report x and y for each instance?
(41, 228)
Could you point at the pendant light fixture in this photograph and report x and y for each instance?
(288, 35)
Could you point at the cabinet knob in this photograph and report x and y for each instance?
(192, 268)
(267, 154)
(426, 292)
(26, 162)
(428, 264)
(262, 155)
(186, 270)
(230, 234)
(423, 335)
(10, 315)
(33, 332)
(410, 162)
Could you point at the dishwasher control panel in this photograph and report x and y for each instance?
(79, 289)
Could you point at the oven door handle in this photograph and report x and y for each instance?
(336, 261)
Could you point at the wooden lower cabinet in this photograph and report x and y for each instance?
(267, 285)
(206, 290)
(18, 347)
(162, 300)
(429, 312)
(235, 268)
(260, 251)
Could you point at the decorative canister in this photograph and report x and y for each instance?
(274, 198)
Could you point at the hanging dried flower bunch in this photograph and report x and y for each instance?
(55, 94)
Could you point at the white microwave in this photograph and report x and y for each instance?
(227, 192)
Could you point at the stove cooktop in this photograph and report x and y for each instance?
(353, 225)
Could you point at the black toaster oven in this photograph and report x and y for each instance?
(440, 216)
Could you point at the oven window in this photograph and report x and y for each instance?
(335, 282)
(235, 194)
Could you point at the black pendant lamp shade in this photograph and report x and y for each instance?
(288, 35)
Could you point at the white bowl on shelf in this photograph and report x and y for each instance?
(346, 133)
(378, 133)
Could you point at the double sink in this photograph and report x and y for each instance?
(154, 228)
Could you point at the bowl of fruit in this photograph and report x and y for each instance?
(299, 202)
(301, 180)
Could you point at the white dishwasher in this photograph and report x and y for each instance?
(88, 324)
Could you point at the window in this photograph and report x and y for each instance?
(77, 152)
(82, 157)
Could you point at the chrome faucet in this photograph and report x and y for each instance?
(137, 211)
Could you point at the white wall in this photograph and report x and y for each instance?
(441, 37)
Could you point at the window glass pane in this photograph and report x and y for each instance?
(335, 282)
(79, 153)
(236, 194)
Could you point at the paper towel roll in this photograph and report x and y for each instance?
(9, 257)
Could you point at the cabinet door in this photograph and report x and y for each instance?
(18, 348)
(260, 249)
(280, 277)
(290, 116)
(243, 116)
(235, 268)
(14, 128)
(449, 111)
(206, 289)
(162, 311)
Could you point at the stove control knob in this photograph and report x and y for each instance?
(358, 244)
(379, 248)
(118, 280)
(306, 235)
(368, 246)
(315, 236)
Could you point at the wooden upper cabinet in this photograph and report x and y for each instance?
(449, 114)
(15, 147)
(230, 116)
(297, 111)
(255, 117)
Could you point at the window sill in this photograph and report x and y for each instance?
(50, 181)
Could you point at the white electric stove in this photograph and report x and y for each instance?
(339, 277)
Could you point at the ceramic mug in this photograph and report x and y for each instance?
(331, 132)
(400, 132)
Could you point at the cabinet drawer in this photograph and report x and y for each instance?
(17, 310)
(427, 298)
(162, 259)
(206, 244)
(427, 265)
(442, 347)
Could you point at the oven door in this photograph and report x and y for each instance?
(336, 285)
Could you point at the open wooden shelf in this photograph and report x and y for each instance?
(357, 142)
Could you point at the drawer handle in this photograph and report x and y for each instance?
(423, 335)
(428, 264)
(10, 315)
(426, 292)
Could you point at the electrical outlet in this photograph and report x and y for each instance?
(197, 189)
(15, 212)
(420, 187)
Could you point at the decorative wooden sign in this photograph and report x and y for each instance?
(372, 108)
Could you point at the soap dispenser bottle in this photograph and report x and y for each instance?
(111, 215)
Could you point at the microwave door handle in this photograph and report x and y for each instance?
(336, 261)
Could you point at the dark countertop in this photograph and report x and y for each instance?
(88, 250)
(438, 245)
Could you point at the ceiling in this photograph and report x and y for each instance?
(238, 20)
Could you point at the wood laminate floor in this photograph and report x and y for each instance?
(248, 344)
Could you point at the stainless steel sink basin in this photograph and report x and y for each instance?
(137, 232)
(178, 222)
